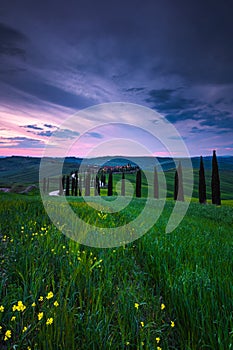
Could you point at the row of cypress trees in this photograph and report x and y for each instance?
(215, 183)
(76, 184)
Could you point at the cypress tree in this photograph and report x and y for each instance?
(178, 187)
(202, 183)
(138, 183)
(76, 184)
(80, 185)
(63, 182)
(156, 184)
(110, 184)
(67, 185)
(60, 186)
(87, 183)
(97, 186)
(123, 184)
(72, 185)
(215, 181)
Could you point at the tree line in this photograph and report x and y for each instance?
(78, 184)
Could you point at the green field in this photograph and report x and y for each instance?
(114, 298)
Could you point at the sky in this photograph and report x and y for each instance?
(60, 57)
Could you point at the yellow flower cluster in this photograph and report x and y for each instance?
(7, 335)
(49, 321)
(24, 329)
(50, 295)
(162, 306)
(19, 306)
(40, 315)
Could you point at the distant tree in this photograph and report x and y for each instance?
(178, 186)
(123, 184)
(156, 184)
(63, 182)
(110, 184)
(76, 184)
(87, 183)
(60, 186)
(202, 183)
(138, 183)
(103, 179)
(97, 185)
(215, 181)
(72, 185)
(80, 185)
(67, 185)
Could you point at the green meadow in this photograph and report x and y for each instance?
(162, 291)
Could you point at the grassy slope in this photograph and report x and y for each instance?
(189, 270)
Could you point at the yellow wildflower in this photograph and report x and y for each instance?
(7, 335)
(13, 318)
(41, 298)
(33, 304)
(172, 324)
(159, 348)
(50, 295)
(127, 343)
(49, 321)
(136, 305)
(40, 315)
(1, 308)
(56, 303)
(162, 306)
(142, 324)
(19, 306)
(24, 329)
(157, 339)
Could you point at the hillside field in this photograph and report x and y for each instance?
(163, 291)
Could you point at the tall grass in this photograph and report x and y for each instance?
(111, 298)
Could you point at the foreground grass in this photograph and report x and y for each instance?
(78, 297)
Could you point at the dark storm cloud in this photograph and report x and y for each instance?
(10, 40)
(45, 133)
(50, 126)
(168, 101)
(57, 133)
(22, 142)
(34, 127)
(173, 56)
